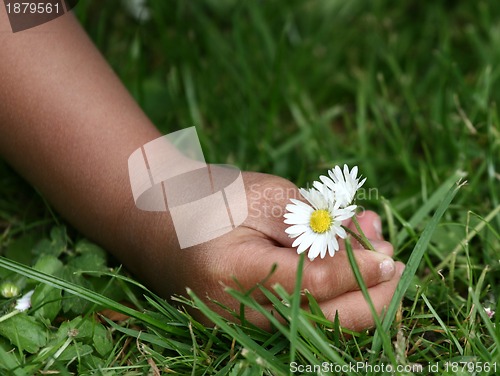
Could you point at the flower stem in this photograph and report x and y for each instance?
(9, 315)
(360, 236)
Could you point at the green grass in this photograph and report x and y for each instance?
(408, 92)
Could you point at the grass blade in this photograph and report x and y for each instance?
(359, 279)
(429, 205)
(445, 328)
(87, 294)
(411, 267)
(296, 308)
(487, 322)
(241, 337)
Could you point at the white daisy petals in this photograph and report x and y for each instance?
(343, 184)
(317, 224)
(24, 302)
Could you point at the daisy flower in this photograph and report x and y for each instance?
(316, 225)
(344, 184)
(23, 303)
(489, 312)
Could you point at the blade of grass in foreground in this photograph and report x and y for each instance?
(378, 324)
(295, 308)
(471, 234)
(282, 309)
(312, 344)
(9, 362)
(445, 328)
(246, 341)
(411, 268)
(487, 322)
(87, 294)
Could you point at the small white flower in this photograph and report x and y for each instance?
(316, 226)
(489, 312)
(344, 184)
(24, 302)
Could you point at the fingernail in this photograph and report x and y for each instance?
(377, 225)
(387, 268)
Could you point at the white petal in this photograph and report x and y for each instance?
(338, 174)
(295, 210)
(315, 249)
(307, 241)
(351, 207)
(343, 216)
(333, 246)
(341, 232)
(314, 197)
(319, 186)
(296, 230)
(300, 239)
(353, 172)
(23, 303)
(324, 246)
(299, 203)
(327, 182)
(296, 219)
(361, 183)
(306, 194)
(346, 171)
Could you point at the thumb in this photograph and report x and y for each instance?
(267, 197)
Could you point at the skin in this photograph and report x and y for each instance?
(68, 126)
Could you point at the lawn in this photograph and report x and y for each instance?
(407, 91)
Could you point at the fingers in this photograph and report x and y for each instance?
(382, 246)
(331, 277)
(370, 223)
(354, 312)
(325, 278)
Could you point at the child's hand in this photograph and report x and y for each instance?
(78, 160)
(248, 253)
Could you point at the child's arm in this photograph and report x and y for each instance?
(68, 126)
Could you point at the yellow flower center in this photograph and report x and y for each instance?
(320, 221)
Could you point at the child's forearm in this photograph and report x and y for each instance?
(68, 125)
